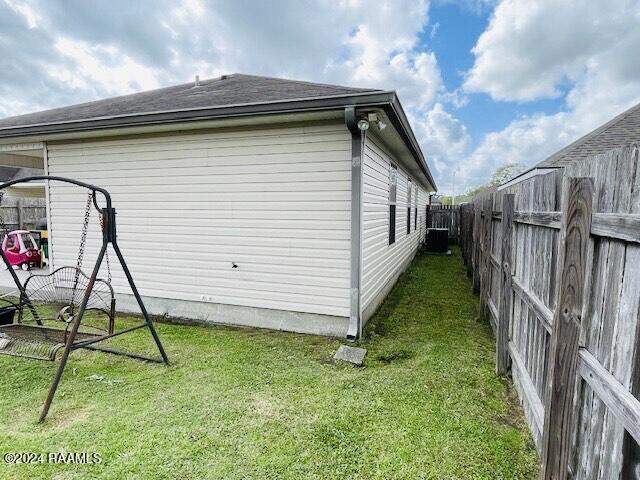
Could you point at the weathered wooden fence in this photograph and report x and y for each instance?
(556, 260)
(22, 213)
(444, 216)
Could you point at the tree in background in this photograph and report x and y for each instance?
(505, 173)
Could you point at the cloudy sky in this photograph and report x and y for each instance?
(485, 82)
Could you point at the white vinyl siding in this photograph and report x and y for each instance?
(275, 201)
(381, 262)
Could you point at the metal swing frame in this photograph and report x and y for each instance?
(108, 217)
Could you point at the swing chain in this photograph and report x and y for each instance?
(83, 242)
(85, 228)
(107, 252)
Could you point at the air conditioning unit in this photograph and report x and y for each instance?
(437, 240)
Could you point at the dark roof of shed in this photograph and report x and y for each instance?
(617, 132)
(10, 173)
(222, 91)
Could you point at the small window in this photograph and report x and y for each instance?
(409, 192)
(393, 186)
(415, 213)
(392, 224)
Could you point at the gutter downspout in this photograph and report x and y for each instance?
(357, 140)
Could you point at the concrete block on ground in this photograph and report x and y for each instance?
(352, 355)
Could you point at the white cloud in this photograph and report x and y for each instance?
(434, 30)
(101, 69)
(75, 51)
(444, 139)
(55, 53)
(523, 140)
(383, 52)
(548, 48)
(92, 46)
(24, 9)
(531, 48)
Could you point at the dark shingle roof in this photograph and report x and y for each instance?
(621, 130)
(228, 96)
(9, 173)
(227, 90)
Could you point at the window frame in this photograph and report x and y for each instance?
(409, 198)
(393, 197)
(415, 213)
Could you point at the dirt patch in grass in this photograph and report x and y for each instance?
(266, 407)
(394, 355)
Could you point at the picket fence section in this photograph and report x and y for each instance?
(21, 213)
(445, 216)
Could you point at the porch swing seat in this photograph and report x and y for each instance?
(84, 306)
(52, 298)
(35, 341)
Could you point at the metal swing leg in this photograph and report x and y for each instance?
(143, 309)
(108, 224)
(72, 336)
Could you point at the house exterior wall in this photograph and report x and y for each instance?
(274, 201)
(382, 263)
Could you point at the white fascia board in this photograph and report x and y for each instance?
(531, 173)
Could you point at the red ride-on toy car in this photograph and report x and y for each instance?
(21, 249)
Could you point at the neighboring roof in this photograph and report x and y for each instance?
(621, 130)
(227, 90)
(10, 173)
(224, 97)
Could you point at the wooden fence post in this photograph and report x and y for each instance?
(477, 221)
(485, 260)
(469, 246)
(506, 293)
(464, 243)
(631, 448)
(429, 216)
(483, 254)
(577, 202)
(19, 213)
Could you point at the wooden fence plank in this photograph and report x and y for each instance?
(617, 225)
(575, 229)
(542, 312)
(468, 248)
(613, 225)
(618, 399)
(485, 277)
(630, 307)
(609, 320)
(540, 219)
(529, 390)
(477, 221)
(626, 361)
(503, 319)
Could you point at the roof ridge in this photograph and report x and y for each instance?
(306, 82)
(177, 90)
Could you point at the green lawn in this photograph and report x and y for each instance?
(243, 403)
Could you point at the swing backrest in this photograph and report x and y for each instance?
(65, 286)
